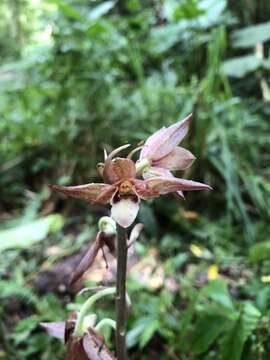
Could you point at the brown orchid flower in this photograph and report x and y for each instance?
(89, 346)
(122, 190)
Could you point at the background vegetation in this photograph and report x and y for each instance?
(77, 76)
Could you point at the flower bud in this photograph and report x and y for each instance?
(107, 225)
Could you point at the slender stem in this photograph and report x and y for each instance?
(79, 330)
(120, 301)
(105, 322)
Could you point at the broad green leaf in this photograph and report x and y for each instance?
(260, 251)
(163, 38)
(252, 35)
(217, 290)
(23, 236)
(213, 10)
(240, 66)
(207, 330)
(186, 318)
(67, 9)
(134, 334)
(148, 332)
(232, 345)
(100, 10)
(12, 288)
(24, 328)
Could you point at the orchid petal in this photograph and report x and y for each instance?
(75, 349)
(135, 233)
(167, 185)
(94, 346)
(156, 171)
(161, 172)
(151, 143)
(88, 260)
(118, 169)
(164, 140)
(87, 192)
(124, 210)
(178, 159)
(55, 329)
(116, 151)
(143, 191)
(106, 194)
(180, 194)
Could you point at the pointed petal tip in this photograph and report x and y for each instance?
(165, 185)
(56, 187)
(59, 188)
(181, 195)
(116, 151)
(55, 329)
(206, 187)
(189, 117)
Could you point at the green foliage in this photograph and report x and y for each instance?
(251, 35)
(241, 66)
(260, 251)
(22, 237)
(78, 76)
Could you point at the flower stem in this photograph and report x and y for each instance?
(105, 322)
(79, 330)
(120, 301)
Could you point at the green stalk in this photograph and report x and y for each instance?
(105, 322)
(120, 300)
(79, 330)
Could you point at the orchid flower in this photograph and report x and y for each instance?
(88, 346)
(162, 153)
(123, 191)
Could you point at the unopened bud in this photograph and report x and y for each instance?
(107, 225)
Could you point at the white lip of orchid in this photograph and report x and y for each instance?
(125, 211)
(142, 166)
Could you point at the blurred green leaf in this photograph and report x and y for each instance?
(134, 334)
(148, 331)
(208, 328)
(251, 35)
(100, 10)
(217, 290)
(67, 9)
(241, 66)
(260, 251)
(232, 344)
(23, 236)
